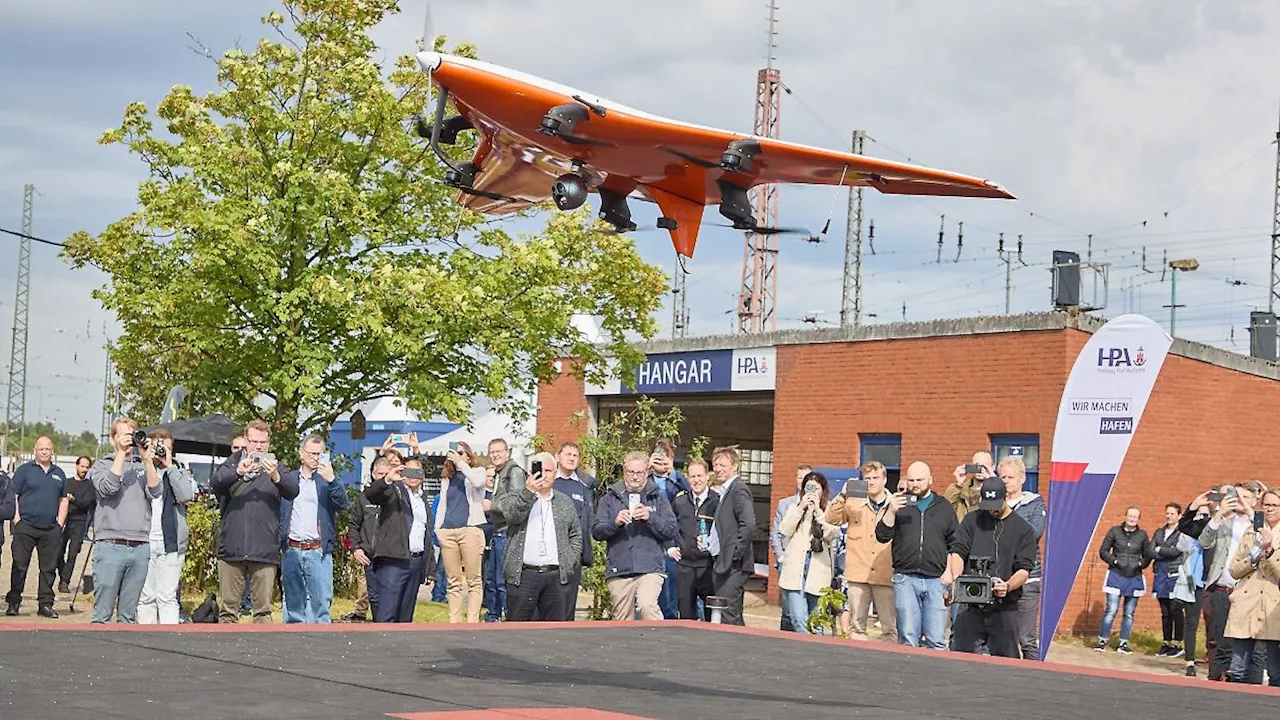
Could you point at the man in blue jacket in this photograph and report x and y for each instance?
(308, 528)
(580, 486)
(636, 522)
(249, 487)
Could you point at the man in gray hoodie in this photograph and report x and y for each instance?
(126, 483)
(1030, 507)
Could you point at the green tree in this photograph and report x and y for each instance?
(293, 253)
(603, 450)
(22, 439)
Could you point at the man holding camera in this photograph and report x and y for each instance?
(308, 526)
(159, 601)
(127, 483)
(993, 556)
(544, 545)
(400, 541)
(250, 485)
(921, 527)
(868, 571)
(636, 523)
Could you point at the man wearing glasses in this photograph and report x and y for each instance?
(636, 522)
(308, 527)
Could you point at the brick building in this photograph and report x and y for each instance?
(936, 392)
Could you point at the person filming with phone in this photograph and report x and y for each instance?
(921, 527)
(309, 527)
(807, 562)
(400, 541)
(1254, 622)
(636, 523)
(544, 545)
(992, 557)
(249, 487)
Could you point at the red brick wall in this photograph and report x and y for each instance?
(562, 408)
(947, 395)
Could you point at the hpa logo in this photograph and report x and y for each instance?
(1121, 358)
(753, 365)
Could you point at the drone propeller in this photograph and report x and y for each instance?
(763, 230)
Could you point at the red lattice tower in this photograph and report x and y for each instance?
(757, 302)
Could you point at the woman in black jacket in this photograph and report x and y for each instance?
(1126, 550)
(1164, 576)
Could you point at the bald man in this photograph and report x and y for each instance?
(921, 527)
(40, 512)
(963, 495)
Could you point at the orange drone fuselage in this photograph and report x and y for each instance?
(629, 153)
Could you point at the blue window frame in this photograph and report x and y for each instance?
(887, 449)
(1025, 446)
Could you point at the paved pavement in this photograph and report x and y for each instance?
(658, 671)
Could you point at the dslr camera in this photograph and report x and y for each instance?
(974, 587)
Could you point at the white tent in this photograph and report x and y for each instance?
(485, 428)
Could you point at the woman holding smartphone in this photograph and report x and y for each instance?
(806, 565)
(460, 528)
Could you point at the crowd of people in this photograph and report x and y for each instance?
(924, 560)
(958, 570)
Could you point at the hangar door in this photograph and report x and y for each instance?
(723, 395)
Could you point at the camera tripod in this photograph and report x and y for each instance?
(80, 581)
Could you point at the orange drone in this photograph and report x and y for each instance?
(544, 140)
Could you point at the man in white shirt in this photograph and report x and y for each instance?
(544, 545)
(308, 527)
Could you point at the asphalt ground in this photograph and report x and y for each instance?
(675, 670)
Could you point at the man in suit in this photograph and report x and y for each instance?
(735, 521)
(695, 512)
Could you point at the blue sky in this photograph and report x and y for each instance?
(1098, 115)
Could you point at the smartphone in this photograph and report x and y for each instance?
(399, 438)
(971, 469)
(912, 500)
(1215, 495)
(325, 459)
(1257, 520)
(536, 468)
(633, 501)
(660, 451)
(453, 446)
(415, 473)
(855, 487)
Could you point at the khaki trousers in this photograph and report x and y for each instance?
(262, 583)
(860, 597)
(361, 606)
(634, 591)
(462, 549)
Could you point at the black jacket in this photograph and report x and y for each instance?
(364, 523)
(687, 520)
(390, 534)
(83, 498)
(250, 525)
(735, 523)
(921, 541)
(1126, 552)
(1009, 542)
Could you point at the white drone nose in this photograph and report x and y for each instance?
(430, 61)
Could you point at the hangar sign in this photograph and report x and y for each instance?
(699, 371)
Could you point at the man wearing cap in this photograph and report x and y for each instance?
(992, 531)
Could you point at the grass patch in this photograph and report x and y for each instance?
(426, 612)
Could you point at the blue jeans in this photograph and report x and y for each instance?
(918, 602)
(440, 590)
(669, 598)
(1243, 658)
(799, 605)
(495, 584)
(1109, 616)
(307, 576)
(119, 573)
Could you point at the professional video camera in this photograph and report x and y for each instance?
(974, 587)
